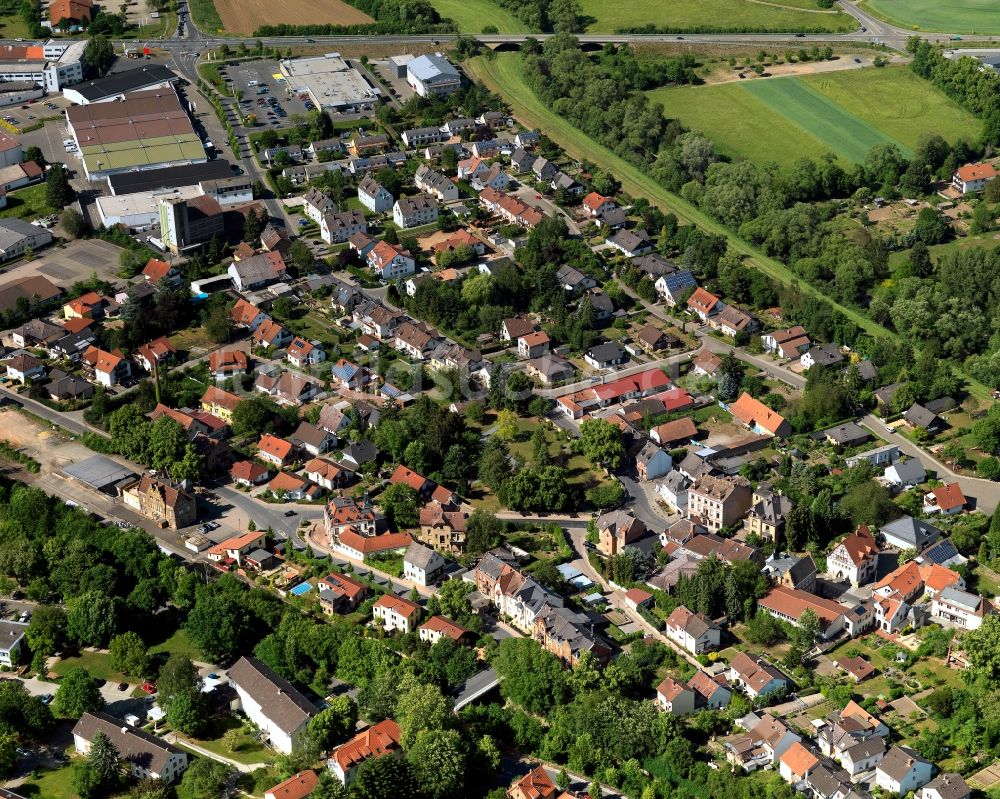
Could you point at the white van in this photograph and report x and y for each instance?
(253, 83)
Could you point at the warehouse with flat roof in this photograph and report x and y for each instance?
(117, 84)
(168, 177)
(330, 82)
(146, 130)
(100, 473)
(140, 210)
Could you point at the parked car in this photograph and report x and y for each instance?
(123, 686)
(149, 687)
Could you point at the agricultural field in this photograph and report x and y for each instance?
(943, 16)
(715, 15)
(471, 16)
(846, 113)
(245, 16)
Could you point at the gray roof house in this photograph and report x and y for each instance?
(146, 755)
(278, 709)
(946, 786)
(422, 564)
(909, 533)
(605, 355)
(905, 474)
(629, 243)
(847, 435)
(919, 416)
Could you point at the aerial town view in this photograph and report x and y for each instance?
(500, 399)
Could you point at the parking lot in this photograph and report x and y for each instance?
(263, 94)
(24, 115)
(72, 263)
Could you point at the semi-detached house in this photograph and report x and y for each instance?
(390, 261)
(144, 755)
(420, 209)
(695, 632)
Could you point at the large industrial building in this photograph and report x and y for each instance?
(51, 65)
(432, 74)
(168, 177)
(146, 130)
(140, 211)
(331, 83)
(116, 85)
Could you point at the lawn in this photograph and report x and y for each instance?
(97, 664)
(985, 240)
(205, 16)
(28, 203)
(12, 27)
(846, 113)
(54, 784)
(953, 16)
(471, 16)
(502, 73)
(714, 15)
(249, 749)
(180, 643)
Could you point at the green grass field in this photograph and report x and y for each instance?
(471, 16)
(716, 15)
(502, 73)
(846, 113)
(944, 16)
(205, 16)
(28, 203)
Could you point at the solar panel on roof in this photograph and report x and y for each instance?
(941, 552)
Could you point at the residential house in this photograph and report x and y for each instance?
(237, 547)
(855, 559)
(573, 280)
(374, 196)
(390, 261)
(107, 368)
(494, 178)
(919, 417)
(162, 502)
(675, 286)
(796, 763)
(527, 138)
(343, 226)
(909, 533)
(420, 137)
(755, 676)
(346, 513)
(536, 784)
(316, 205)
(544, 169)
(673, 491)
(510, 208)
(271, 335)
(679, 430)
(443, 527)
(223, 364)
(257, 271)
(313, 439)
(327, 474)
(420, 209)
(731, 321)
(654, 340)
(298, 786)
(602, 307)
(763, 744)
(219, 403)
(628, 243)
(248, 473)
(24, 368)
(652, 461)
(606, 355)
(533, 345)
(704, 304)
(87, 306)
(710, 693)
(971, 178)
(695, 632)
(876, 457)
(349, 375)
(339, 593)
(144, 755)
(617, 529)
(905, 474)
(396, 613)
(437, 628)
(960, 608)
(275, 450)
(302, 353)
(416, 340)
(824, 355)
(902, 770)
(789, 343)
(422, 564)
(379, 740)
(857, 668)
(946, 500)
(274, 705)
(849, 434)
(434, 183)
(12, 643)
(719, 501)
(246, 314)
(595, 204)
(675, 698)
(768, 513)
(706, 364)
(550, 368)
(361, 547)
(156, 352)
(755, 415)
(788, 604)
(946, 786)
(792, 571)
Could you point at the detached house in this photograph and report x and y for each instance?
(275, 450)
(156, 352)
(390, 261)
(946, 786)
(617, 529)
(694, 632)
(961, 608)
(302, 353)
(902, 770)
(339, 593)
(755, 676)
(420, 209)
(379, 740)
(755, 415)
(224, 364)
(108, 368)
(422, 565)
(973, 177)
(704, 304)
(374, 196)
(719, 501)
(167, 504)
(273, 704)
(788, 344)
(316, 205)
(396, 613)
(855, 559)
(343, 226)
(675, 698)
(674, 285)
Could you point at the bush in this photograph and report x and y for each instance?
(608, 495)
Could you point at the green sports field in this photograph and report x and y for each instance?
(845, 113)
(471, 16)
(943, 16)
(715, 15)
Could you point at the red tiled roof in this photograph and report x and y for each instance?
(228, 360)
(298, 786)
(751, 411)
(217, 396)
(860, 545)
(448, 628)
(702, 300)
(799, 759)
(409, 477)
(970, 172)
(949, 497)
(378, 740)
(397, 604)
(156, 270)
(368, 545)
(275, 446)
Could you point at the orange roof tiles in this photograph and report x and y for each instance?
(368, 545)
(298, 786)
(753, 412)
(949, 497)
(970, 172)
(446, 627)
(277, 447)
(409, 477)
(228, 360)
(799, 759)
(377, 741)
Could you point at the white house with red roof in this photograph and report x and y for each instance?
(946, 500)
(973, 177)
(396, 613)
(390, 261)
(379, 740)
